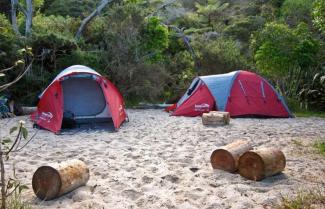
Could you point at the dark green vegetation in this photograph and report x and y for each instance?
(304, 200)
(320, 146)
(152, 52)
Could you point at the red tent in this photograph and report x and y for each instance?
(83, 93)
(241, 93)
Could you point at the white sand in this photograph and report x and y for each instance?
(157, 161)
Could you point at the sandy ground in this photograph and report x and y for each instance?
(157, 161)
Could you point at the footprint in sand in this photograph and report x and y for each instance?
(171, 178)
(131, 194)
(147, 180)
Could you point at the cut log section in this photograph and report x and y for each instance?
(28, 110)
(216, 118)
(226, 157)
(259, 164)
(52, 181)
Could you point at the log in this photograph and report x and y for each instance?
(28, 110)
(259, 164)
(53, 181)
(226, 157)
(216, 118)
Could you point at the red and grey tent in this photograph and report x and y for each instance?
(85, 94)
(241, 93)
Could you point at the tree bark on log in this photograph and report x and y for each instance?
(96, 12)
(52, 181)
(259, 164)
(28, 110)
(226, 157)
(216, 118)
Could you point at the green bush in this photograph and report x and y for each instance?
(72, 8)
(312, 95)
(218, 56)
(319, 15)
(278, 49)
(243, 28)
(155, 38)
(8, 43)
(295, 11)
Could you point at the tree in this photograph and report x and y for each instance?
(210, 11)
(285, 54)
(27, 12)
(96, 12)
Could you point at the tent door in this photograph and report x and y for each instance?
(84, 99)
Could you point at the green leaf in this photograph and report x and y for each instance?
(24, 132)
(13, 129)
(6, 141)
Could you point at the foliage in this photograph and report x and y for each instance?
(313, 95)
(320, 146)
(72, 8)
(218, 56)
(133, 40)
(8, 43)
(278, 49)
(12, 188)
(155, 38)
(243, 28)
(308, 199)
(295, 11)
(319, 14)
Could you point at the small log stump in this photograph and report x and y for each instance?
(259, 164)
(216, 118)
(52, 181)
(226, 157)
(27, 110)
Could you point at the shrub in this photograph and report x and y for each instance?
(278, 49)
(72, 8)
(154, 38)
(243, 28)
(295, 11)
(8, 43)
(319, 15)
(312, 95)
(218, 56)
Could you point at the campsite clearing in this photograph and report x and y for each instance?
(157, 161)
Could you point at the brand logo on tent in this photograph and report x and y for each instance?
(120, 109)
(202, 107)
(46, 116)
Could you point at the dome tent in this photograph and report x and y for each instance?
(83, 93)
(241, 93)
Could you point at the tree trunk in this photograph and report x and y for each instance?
(14, 5)
(50, 182)
(91, 16)
(258, 164)
(29, 17)
(226, 157)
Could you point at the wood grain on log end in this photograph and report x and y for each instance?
(46, 183)
(259, 164)
(251, 166)
(223, 160)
